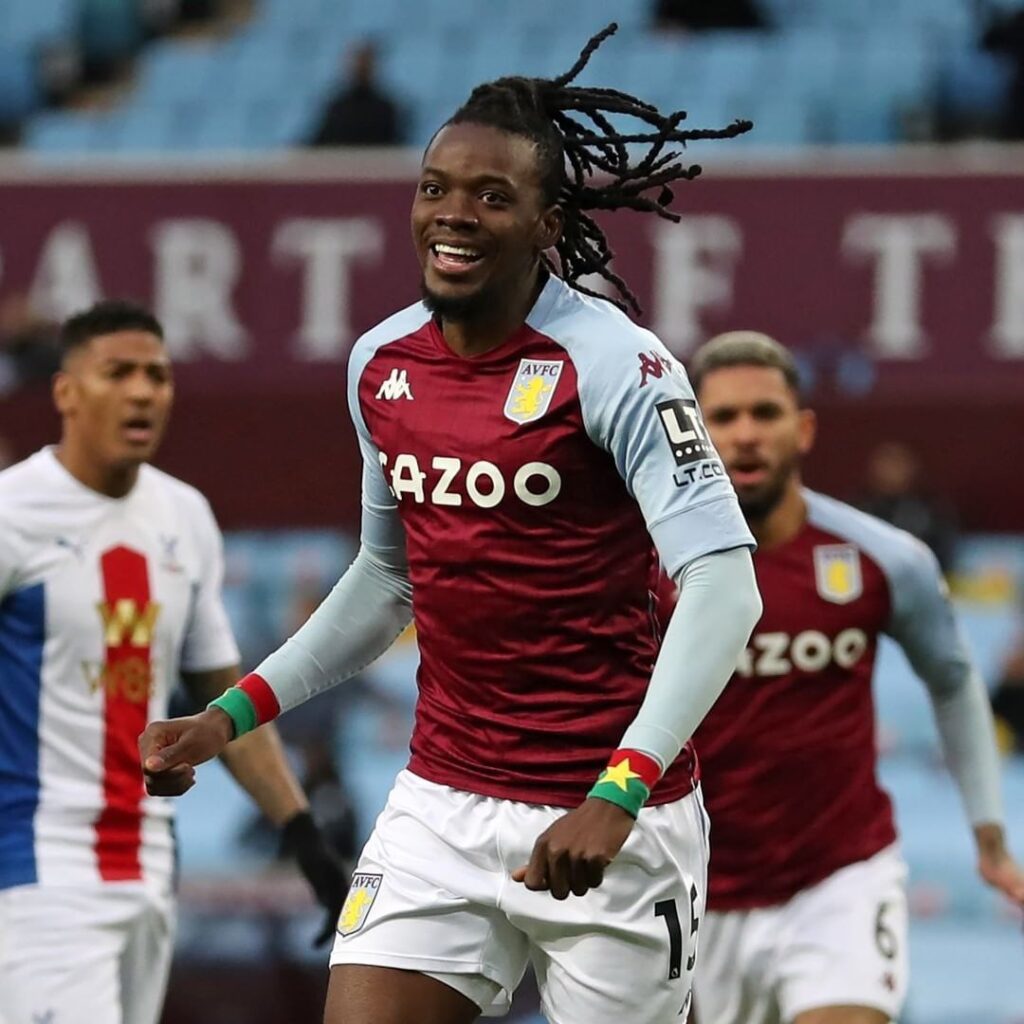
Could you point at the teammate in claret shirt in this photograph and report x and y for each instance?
(110, 578)
(807, 912)
(524, 468)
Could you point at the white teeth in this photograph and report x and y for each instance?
(455, 250)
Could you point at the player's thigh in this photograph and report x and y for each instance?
(845, 944)
(59, 956)
(146, 961)
(842, 1015)
(424, 897)
(731, 983)
(627, 950)
(359, 994)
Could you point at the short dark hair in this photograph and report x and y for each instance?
(744, 348)
(585, 160)
(106, 317)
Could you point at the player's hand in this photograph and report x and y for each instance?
(326, 872)
(171, 750)
(996, 865)
(571, 855)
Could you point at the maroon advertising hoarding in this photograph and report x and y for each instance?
(901, 284)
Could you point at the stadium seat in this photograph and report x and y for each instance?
(19, 90)
(831, 72)
(58, 133)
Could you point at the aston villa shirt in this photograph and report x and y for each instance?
(538, 485)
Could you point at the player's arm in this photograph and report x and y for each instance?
(924, 625)
(657, 439)
(363, 615)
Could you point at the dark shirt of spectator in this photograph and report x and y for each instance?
(1006, 35)
(696, 15)
(360, 113)
(894, 493)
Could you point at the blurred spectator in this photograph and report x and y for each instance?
(895, 493)
(1008, 701)
(695, 15)
(360, 113)
(28, 345)
(1005, 35)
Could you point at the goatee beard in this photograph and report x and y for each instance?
(758, 507)
(454, 310)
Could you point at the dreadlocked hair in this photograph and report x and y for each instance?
(585, 164)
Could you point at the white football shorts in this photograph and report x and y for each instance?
(100, 954)
(432, 893)
(842, 942)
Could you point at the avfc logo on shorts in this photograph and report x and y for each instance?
(361, 894)
(837, 572)
(532, 389)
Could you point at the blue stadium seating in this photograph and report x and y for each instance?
(830, 72)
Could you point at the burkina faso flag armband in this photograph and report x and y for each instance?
(249, 704)
(628, 780)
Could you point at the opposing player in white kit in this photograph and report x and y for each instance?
(807, 912)
(110, 577)
(527, 449)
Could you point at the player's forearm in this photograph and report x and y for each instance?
(258, 764)
(357, 622)
(964, 718)
(718, 606)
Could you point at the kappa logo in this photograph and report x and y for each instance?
(837, 573)
(532, 389)
(655, 364)
(361, 895)
(396, 386)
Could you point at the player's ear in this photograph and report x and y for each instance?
(807, 430)
(549, 230)
(62, 390)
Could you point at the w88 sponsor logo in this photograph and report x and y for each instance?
(778, 654)
(451, 482)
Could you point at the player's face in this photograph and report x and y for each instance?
(479, 222)
(760, 432)
(114, 395)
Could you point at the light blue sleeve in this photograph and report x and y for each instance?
(381, 530)
(369, 606)
(923, 623)
(718, 606)
(638, 405)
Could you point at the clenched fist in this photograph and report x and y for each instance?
(171, 750)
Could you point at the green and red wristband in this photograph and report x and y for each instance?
(627, 780)
(249, 704)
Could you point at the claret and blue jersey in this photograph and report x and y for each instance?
(530, 483)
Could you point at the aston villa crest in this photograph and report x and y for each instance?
(837, 572)
(532, 389)
(361, 894)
